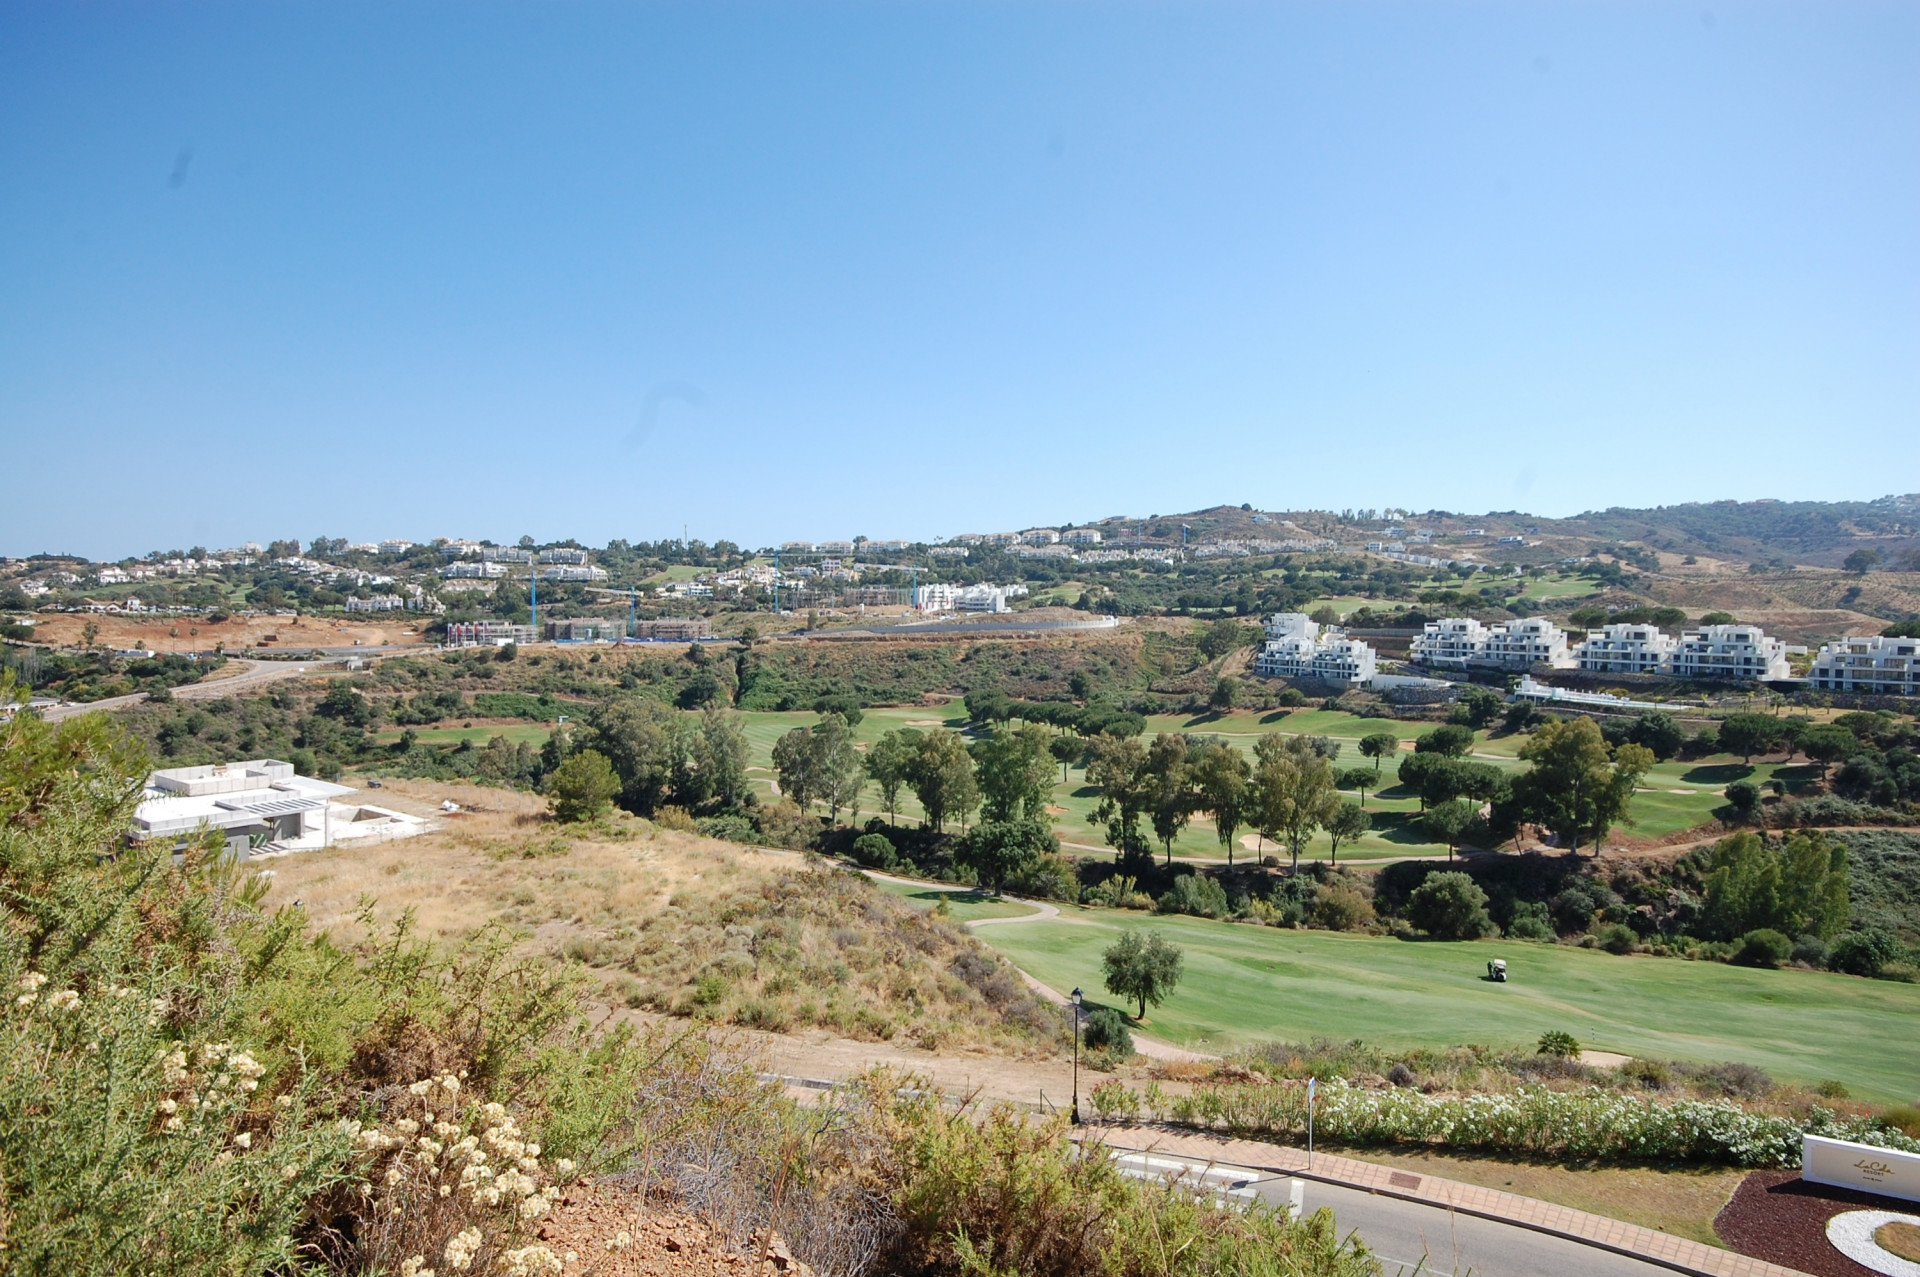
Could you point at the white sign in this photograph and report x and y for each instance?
(1860, 1166)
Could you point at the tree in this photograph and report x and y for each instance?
(1377, 746)
(1827, 744)
(1014, 770)
(794, 759)
(583, 787)
(1748, 734)
(1450, 906)
(1293, 791)
(1118, 765)
(1477, 708)
(1446, 821)
(1450, 741)
(1861, 561)
(1799, 888)
(1144, 967)
(649, 746)
(1221, 778)
(999, 849)
(1573, 786)
(1744, 797)
(1350, 820)
(719, 762)
(1170, 798)
(1223, 636)
(1225, 691)
(1359, 779)
(837, 769)
(1660, 732)
(1066, 750)
(889, 762)
(942, 777)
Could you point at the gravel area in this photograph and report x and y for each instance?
(1779, 1217)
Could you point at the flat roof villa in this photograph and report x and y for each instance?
(261, 807)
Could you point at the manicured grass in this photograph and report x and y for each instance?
(1246, 983)
(963, 903)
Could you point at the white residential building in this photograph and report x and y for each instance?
(395, 546)
(563, 555)
(378, 603)
(796, 547)
(505, 554)
(259, 807)
(948, 551)
(933, 598)
(1297, 648)
(1039, 536)
(112, 576)
(573, 572)
(1000, 538)
(1730, 652)
(488, 571)
(1626, 649)
(986, 598)
(1456, 641)
(835, 547)
(489, 634)
(1524, 643)
(1081, 536)
(1884, 666)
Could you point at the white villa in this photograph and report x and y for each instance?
(260, 808)
(1731, 652)
(1297, 648)
(1461, 641)
(1626, 649)
(1887, 666)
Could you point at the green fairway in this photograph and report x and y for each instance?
(1246, 984)
(963, 903)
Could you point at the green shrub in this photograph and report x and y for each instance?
(875, 851)
(583, 787)
(1615, 937)
(1106, 1030)
(1195, 894)
(1863, 952)
(1449, 906)
(1559, 1043)
(1531, 921)
(1763, 948)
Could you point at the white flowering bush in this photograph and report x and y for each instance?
(451, 1184)
(1589, 1122)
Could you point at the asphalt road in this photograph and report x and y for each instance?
(1412, 1237)
(252, 675)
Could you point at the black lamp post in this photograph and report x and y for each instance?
(1076, 1057)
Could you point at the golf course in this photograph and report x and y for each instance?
(1245, 984)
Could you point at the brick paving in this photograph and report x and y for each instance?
(1469, 1199)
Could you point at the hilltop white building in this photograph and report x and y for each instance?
(1626, 649)
(1885, 666)
(1730, 652)
(1296, 647)
(1081, 536)
(259, 807)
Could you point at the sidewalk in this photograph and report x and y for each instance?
(1487, 1203)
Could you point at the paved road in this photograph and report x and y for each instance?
(253, 674)
(1411, 1237)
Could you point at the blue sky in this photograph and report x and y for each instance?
(912, 269)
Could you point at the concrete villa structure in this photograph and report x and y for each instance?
(1456, 641)
(1879, 665)
(260, 807)
(1296, 648)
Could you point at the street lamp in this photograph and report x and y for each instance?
(1076, 1057)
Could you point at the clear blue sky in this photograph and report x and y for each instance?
(791, 270)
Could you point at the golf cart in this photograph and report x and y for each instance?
(1497, 971)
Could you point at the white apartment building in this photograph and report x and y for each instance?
(1531, 641)
(574, 572)
(1039, 536)
(1297, 648)
(378, 603)
(1456, 641)
(1626, 649)
(1730, 652)
(1885, 666)
(933, 598)
(1081, 536)
(563, 555)
(395, 546)
(481, 571)
(986, 598)
(505, 554)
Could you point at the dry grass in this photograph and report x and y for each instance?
(678, 923)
